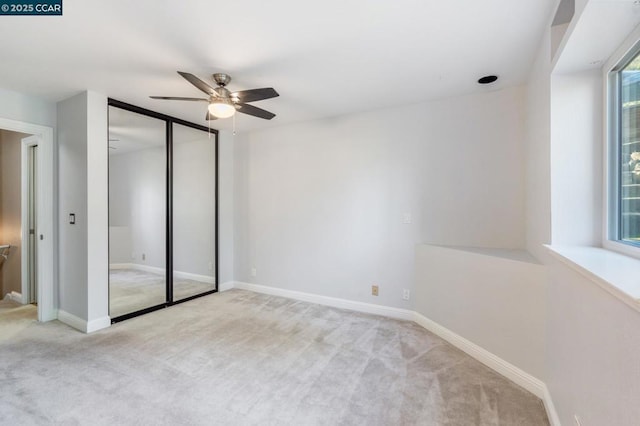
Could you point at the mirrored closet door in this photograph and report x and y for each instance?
(194, 206)
(162, 211)
(137, 212)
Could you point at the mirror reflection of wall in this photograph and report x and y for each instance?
(194, 183)
(137, 211)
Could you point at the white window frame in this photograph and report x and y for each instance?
(611, 224)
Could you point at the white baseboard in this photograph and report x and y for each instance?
(98, 324)
(117, 266)
(334, 302)
(145, 268)
(72, 320)
(502, 367)
(194, 277)
(552, 414)
(161, 271)
(499, 365)
(15, 297)
(508, 370)
(82, 325)
(227, 286)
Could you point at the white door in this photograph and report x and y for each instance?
(32, 225)
(37, 285)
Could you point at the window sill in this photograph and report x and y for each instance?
(616, 273)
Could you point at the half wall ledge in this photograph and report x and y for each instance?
(614, 272)
(517, 255)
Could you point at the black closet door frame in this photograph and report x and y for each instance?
(169, 122)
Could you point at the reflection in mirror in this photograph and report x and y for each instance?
(194, 185)
(137, 212)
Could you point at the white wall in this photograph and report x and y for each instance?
(30, 109)
(72, 198)
(576, 158)
(137, 207)
(194, 174)
(193, 207)
(120, 244)
(591, 342)
(137, 194)
(537, 152)
(97, 210)
(82, 168)
(496, 299)
(226, 207)
(592, 356)
(241, 244)
(563, 156)
(322, 204)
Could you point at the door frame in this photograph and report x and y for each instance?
(26, 143)
(47, 276)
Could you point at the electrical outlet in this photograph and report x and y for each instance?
(254, 271)
(144, 256)
(211, 266)
(406, 294)
(374, 290)
(406, 218)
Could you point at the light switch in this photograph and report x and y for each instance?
(72, 218)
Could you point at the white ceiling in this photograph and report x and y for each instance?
(325, 58)
(130, 131)
(602, 27)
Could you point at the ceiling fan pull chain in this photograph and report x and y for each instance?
(234, 124)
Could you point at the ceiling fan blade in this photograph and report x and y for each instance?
(255, 94)
(177, 98)
(255, 111)
(199, 83)
(210, 117)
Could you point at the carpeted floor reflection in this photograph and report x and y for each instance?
(131, 290)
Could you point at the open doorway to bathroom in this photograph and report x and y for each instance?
(27, 258)
(18, 223)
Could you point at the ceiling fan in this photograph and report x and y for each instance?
(222, 102)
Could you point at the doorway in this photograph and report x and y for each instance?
(18, 217)
(30, 228)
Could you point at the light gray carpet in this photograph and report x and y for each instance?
(131, 290)
(241, 358)
(14, 318)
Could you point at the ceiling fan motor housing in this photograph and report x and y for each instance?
(222, 92)
(221, 79)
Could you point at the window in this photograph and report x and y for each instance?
(629, 148)
(624, 151)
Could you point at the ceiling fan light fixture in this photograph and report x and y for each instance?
(221, 102)
(222, 108)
